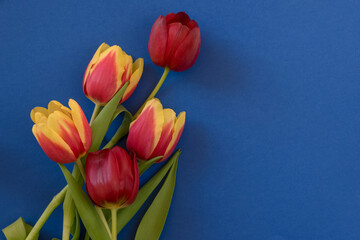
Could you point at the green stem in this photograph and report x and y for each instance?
(156, 89)
(81, 168)
(95, 113)
(69, 206)
(103, 219)
(55, 202)
(114, 222)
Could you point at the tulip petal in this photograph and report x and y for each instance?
(178, 129)
(181, 17)
(54, 106)
(158, 41)
(66, 111)
(185, 55)
(170, 18)
(166, 134)
(135, 187)
(176, 35)
(111, 178)
(103, 81)
(145, 131)
(39, 110)
(94, 60)
(52, 144)
(137, 70)
(60, 123)
(121, 61)
(95, 182)
(127, 62)
(40, 118)
(81, 124)
(192, 24)
(129, 177)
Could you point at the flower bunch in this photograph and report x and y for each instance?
(111, 173)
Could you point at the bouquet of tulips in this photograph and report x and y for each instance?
(109, 172)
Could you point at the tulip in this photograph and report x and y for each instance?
(174, 41)
(64, 134)
(109, 69)
(112, 178)
(155, 132)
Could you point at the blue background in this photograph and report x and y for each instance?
(271, 141)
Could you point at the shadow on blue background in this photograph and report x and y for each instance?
(271, 142)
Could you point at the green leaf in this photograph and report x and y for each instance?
(102, 122)
(68, 215)
(69, 206)
(144, 165)
(86, 210)
(55, 239)
(124, 127)
(18, 230)
(76, 233)
(153, 222)
(121, 109)
(125, 214)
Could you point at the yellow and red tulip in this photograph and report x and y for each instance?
(174, 41)
(155, 132)
(112, 178)
(109, 69)
(64, 134)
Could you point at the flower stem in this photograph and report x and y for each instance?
(55, 202)
(81, 168)
(95, 113)
(114, 223)
(103, 219)
(156, 89)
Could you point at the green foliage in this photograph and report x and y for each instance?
(125, 214)
(85, 208)
(154, 219)
(18, 230)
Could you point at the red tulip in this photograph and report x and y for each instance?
(109, 69)
(155, 132)
(112, 178)
(174, 41)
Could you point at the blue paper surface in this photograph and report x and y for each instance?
(271, 141)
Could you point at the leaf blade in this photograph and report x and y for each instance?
(125, 214)
(149, 228)
(18, 230)
(144, 165)
(102, 122)
(85, 208)
(76, 234)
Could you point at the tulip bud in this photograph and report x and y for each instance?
(109, 69)
(155, 132)
(64, 134)
(174, 41)
(112, 178)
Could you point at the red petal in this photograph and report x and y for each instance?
(176, 35)
(145, 131)
(101, 84)
(157, 42)
(181, 17)
(110, 178)
(186, 54)
(81, 124)
(166, 133)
